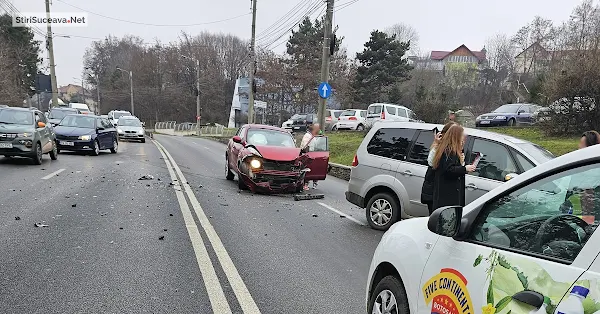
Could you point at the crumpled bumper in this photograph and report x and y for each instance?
(274, 181)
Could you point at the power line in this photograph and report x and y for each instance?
(307, 14)
(284, 18)
(344, 5)
(291, 22)
(9, 7)
(151, 24)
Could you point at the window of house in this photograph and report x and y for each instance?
(496, 161)
(420, 149)
(391, 143)
(541, 218)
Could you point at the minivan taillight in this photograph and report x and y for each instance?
(355, 161)
(383, 114)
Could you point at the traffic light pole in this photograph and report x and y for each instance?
(327, 37)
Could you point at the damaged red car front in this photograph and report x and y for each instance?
(266, 159)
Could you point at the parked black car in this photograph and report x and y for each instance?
(509, 115)
(55, 115)
(301, 121)
(78, 132)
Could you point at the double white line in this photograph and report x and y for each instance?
(214, 289)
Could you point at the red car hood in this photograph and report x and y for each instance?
(278, 153)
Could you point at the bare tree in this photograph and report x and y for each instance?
(405, 33)
(501, 52)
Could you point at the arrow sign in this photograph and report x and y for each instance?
(324, 90)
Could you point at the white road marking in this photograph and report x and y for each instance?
(341, 213)
(214, 289)
(235, 280)
(53, 174)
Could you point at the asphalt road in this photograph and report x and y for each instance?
(223, 251)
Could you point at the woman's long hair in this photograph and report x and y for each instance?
(452, 143)
(444, 130)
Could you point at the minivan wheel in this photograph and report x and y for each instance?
(389, 297)
(360, 127)
(382, 211)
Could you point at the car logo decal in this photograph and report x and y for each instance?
(447, 292)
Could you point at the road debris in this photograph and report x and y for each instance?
(223, 204)
(40, 225)
(165, 230)
(17, 218)
(74, 205)
(147, 177)
(315, 215)
(342, 216)
(103, 214)
(305, 197)
(161, 237)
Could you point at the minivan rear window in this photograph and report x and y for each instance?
(391, 143)
(375, 110)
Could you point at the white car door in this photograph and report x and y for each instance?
(518, 242)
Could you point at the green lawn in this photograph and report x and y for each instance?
(343, 145)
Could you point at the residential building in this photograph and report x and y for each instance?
(533, 60)
(446, 61)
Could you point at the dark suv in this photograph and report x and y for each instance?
(25, 133)
(301, 122)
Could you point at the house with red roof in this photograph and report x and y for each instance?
(444, 60)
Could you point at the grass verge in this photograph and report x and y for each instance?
(343, 145)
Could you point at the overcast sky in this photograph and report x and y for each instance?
(442, 25)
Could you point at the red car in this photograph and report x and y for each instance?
(266, 159)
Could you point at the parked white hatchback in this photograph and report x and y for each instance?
(352, 119)
(528, 246)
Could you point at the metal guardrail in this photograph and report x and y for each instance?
(189, 128)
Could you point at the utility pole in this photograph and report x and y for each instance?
(327, 37)
(253, 66)
(50, 47)
(131, 86)
(198, 109)
(98, 112)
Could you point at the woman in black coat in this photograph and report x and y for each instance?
(450, 171)
(427, 189)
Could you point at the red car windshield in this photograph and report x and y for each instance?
(264, 137)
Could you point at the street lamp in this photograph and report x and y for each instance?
(131, 85)
(198, 109)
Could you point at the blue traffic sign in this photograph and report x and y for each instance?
(324, 90)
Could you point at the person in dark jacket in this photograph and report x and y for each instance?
(450, 171)
(427, 189)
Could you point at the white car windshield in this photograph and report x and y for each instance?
(130, 122)
(263, 137)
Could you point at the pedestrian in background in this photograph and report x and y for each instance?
(312, 131)
(589, 138)
(427, 189)
(589, 206)
(449, 180)
(451, 117)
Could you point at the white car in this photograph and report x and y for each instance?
(389, 112)
(528, 246)
(351, 119)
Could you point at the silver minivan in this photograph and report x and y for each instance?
(390, 165)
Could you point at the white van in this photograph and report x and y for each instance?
(389, 112)
(83, 108)
(114, 115)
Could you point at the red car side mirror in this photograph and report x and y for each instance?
(237, 139)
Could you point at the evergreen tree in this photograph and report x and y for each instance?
(382, 66)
